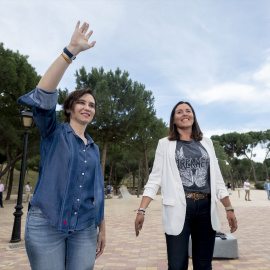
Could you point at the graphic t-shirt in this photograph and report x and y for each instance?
(193, 163)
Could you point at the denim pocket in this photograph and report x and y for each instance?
(35, 212)
(37, 219)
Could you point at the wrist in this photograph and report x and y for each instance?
(101, 231)
(229, 208)
(75, 50)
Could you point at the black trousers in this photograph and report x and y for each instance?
(1, 199)
(198, 225)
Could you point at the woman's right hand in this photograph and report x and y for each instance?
(79, 39)
(138, 223)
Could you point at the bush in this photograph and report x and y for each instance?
(259, 185)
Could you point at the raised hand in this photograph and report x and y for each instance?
(79, 40)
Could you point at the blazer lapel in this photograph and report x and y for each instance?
(175, 171)
(212, 166)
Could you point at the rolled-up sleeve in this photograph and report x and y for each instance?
(221, 190)
(40, 99)
(44, 104)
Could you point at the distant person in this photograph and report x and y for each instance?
(229, 186)
(2, 188)
(27, 192)
(187, 170)
(267, 188)
(108, 189)
(247, 190)
(112, 191)
(68, 203)
(116, 190)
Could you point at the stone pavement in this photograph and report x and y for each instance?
(148, 251)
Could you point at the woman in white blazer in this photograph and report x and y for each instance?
(187, 170)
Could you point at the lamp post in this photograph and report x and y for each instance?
(27, 122)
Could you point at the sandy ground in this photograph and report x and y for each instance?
(148, 251)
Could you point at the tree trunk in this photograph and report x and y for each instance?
(10, 164)
(266, 169)
(134, 179)
(146, 164)
(231, 179)
(253, 170)
(103, 159)
(7, 178)
(110, 177)
(230, 173)
(115, 177)
(130, 180)
(10, 183)
(139, 180)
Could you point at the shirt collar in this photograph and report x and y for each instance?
(70, 129)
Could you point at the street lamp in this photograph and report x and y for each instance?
(27, 122)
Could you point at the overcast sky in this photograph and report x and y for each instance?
(214, 54)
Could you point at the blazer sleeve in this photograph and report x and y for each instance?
(221, 190)
(155, 177)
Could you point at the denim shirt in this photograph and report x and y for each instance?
(70, 187)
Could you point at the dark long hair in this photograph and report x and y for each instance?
(173, 132)
(72, 99)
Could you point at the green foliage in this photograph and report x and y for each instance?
(17, 77)
(62, 94)
(241, 145)
(121, 103)
(222, 157)
(124, 107)
(259, 185)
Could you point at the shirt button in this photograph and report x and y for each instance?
(78, 200)
(80, 186)
(84, 150)
(85, 161)
(75, 213)
(83, 173)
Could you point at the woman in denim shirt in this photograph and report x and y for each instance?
(68, 202)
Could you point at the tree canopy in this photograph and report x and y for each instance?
(17, 77)
(124, 106)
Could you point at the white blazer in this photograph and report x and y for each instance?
(165, 174)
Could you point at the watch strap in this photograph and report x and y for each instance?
(69, 54)
(229, 208)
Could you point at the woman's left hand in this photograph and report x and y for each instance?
(101, 243)
(232, 221)
(79, 40)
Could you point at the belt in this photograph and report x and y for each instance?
(196, 196)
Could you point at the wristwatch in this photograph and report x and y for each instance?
(229, 208)
(69, 54)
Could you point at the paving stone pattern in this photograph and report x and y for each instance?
(148, 251)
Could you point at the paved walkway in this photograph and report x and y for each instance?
(148, 251)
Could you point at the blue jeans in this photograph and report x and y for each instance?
(268, 194)
(198, 225)
(50, 249)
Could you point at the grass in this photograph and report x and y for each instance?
(30, 176)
